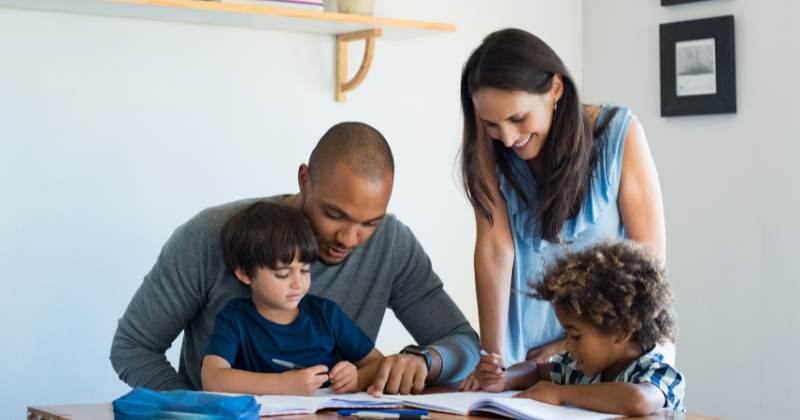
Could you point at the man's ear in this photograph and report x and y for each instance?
(242, 276)
(303, 179)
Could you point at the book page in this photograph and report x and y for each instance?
(275, 405)
(524, 408)
(451, 402)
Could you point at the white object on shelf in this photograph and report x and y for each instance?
(355, 7)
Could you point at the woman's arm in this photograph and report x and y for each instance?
(493, 260)
(217, 375)
(493, 263)
(640, 200)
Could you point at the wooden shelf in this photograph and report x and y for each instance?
(257, 17)
(345, 27)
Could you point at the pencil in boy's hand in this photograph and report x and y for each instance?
(286, 364)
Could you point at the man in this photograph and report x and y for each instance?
(369, 261)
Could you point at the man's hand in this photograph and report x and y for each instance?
(344, 378)
(305, 381)
(399, 373)
(544, 391)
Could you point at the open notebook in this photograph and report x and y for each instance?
(322, 399)
(465, 403)
(460, 403)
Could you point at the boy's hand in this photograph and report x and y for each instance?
(544, 391)
(491, 375)
(344, 377)
(305, 381)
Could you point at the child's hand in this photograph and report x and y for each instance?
(344, 378)
(491, 375)
(544, 391)
(305, 381)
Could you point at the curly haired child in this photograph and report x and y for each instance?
(614, 302)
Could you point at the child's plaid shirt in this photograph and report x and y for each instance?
(650, 368)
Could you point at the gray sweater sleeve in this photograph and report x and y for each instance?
(420, 302)
(169, 297)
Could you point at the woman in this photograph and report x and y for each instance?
(545, 174)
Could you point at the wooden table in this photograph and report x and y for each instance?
(104, 411)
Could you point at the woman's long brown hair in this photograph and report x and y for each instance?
(516, 60)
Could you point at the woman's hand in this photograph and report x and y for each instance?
(471, 384)
(544, 391)
(491, 373)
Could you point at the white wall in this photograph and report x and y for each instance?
(730, 191)
(115, 131)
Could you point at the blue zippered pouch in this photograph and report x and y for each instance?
(143, 403)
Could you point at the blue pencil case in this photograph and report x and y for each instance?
(143, 403)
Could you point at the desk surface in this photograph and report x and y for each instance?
(105, 412)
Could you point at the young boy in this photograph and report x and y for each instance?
(614, 302)
(281, 341)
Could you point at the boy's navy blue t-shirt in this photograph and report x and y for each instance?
(321, 334)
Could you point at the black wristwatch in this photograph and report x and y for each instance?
(419, 351)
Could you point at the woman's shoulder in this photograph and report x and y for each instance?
(599, 114)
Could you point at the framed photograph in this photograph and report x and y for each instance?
(698, 67)
(671, 2)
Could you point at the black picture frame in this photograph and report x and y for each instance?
(674, 2)
(698, 67)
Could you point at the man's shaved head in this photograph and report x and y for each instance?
(360, 146)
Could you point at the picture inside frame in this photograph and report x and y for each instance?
(695, 67)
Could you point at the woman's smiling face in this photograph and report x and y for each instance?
(519, 120)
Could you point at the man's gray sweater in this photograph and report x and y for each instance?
(189, 284)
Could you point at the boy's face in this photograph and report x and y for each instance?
(278, 291)
(593, 350)
(344, 209)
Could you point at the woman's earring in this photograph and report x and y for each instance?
(555, 105)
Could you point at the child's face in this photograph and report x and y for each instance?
(593, 350)
(281, 289)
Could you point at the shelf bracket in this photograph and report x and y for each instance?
(342, 84)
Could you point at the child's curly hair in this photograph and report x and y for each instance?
(618, 287)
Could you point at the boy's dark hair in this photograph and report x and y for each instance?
(265, 234)
(618, 287)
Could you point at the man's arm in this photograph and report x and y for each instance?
(429, 314)
(169, 297)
